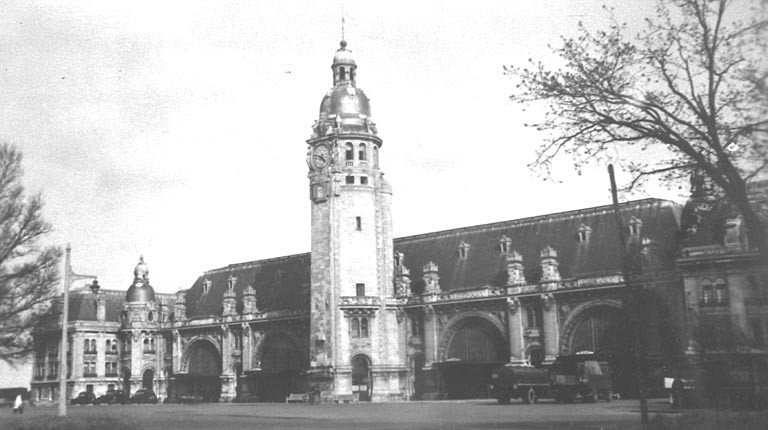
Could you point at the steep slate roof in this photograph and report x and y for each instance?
(280, 283)
(484, 262)
(82, 304)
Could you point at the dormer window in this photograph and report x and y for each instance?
(463, 250)
(278, 276)
(583, 233)
(231, 282)
(206, 286)
(634, 226)
(505, 244)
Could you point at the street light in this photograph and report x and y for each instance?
(69, 277)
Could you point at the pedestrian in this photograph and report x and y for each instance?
(18, 405)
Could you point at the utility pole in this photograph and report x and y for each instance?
(69, 278)
(633, 311)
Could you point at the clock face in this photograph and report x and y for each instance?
(321, 157)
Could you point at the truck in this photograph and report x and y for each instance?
(564, 380)
(521, 382)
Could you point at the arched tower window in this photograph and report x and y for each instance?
(342, 74)
(350, 152)
(361, 153)
(375, 156)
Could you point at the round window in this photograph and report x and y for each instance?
(150, 316)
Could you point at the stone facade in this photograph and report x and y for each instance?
(364, 316)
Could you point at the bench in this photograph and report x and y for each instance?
(297, 398)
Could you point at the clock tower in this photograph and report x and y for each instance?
(355, 343)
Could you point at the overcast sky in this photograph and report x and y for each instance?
(177, 130)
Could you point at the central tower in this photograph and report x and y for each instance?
(355, 346)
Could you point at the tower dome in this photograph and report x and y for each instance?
(345, 103)
(140, 290)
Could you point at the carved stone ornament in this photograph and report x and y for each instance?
(429, 312)
(513, 304)
(135, 336)
(175, 334)
(246, 327)
(400, 314)
(548, 300)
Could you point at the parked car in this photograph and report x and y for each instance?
(143, 396)
(111, 397)
(84, 398)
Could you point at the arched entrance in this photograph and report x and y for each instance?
(148, 380)
(202, 381)
(473, 346)
(279, 360)
(604, 330)
(362, 382)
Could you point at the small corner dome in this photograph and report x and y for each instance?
(143, 293)
(140, 290)
(343, 55)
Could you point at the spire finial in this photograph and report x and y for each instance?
(342, 26)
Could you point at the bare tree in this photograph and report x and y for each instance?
(690, 92)
(29, 273)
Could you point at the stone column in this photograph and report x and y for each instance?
(247, 353)
(228, 389)
(515, 331)
(432, 376)
(551, 329)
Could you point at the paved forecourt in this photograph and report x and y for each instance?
(475, 414)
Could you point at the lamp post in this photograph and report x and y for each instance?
(69, 277)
